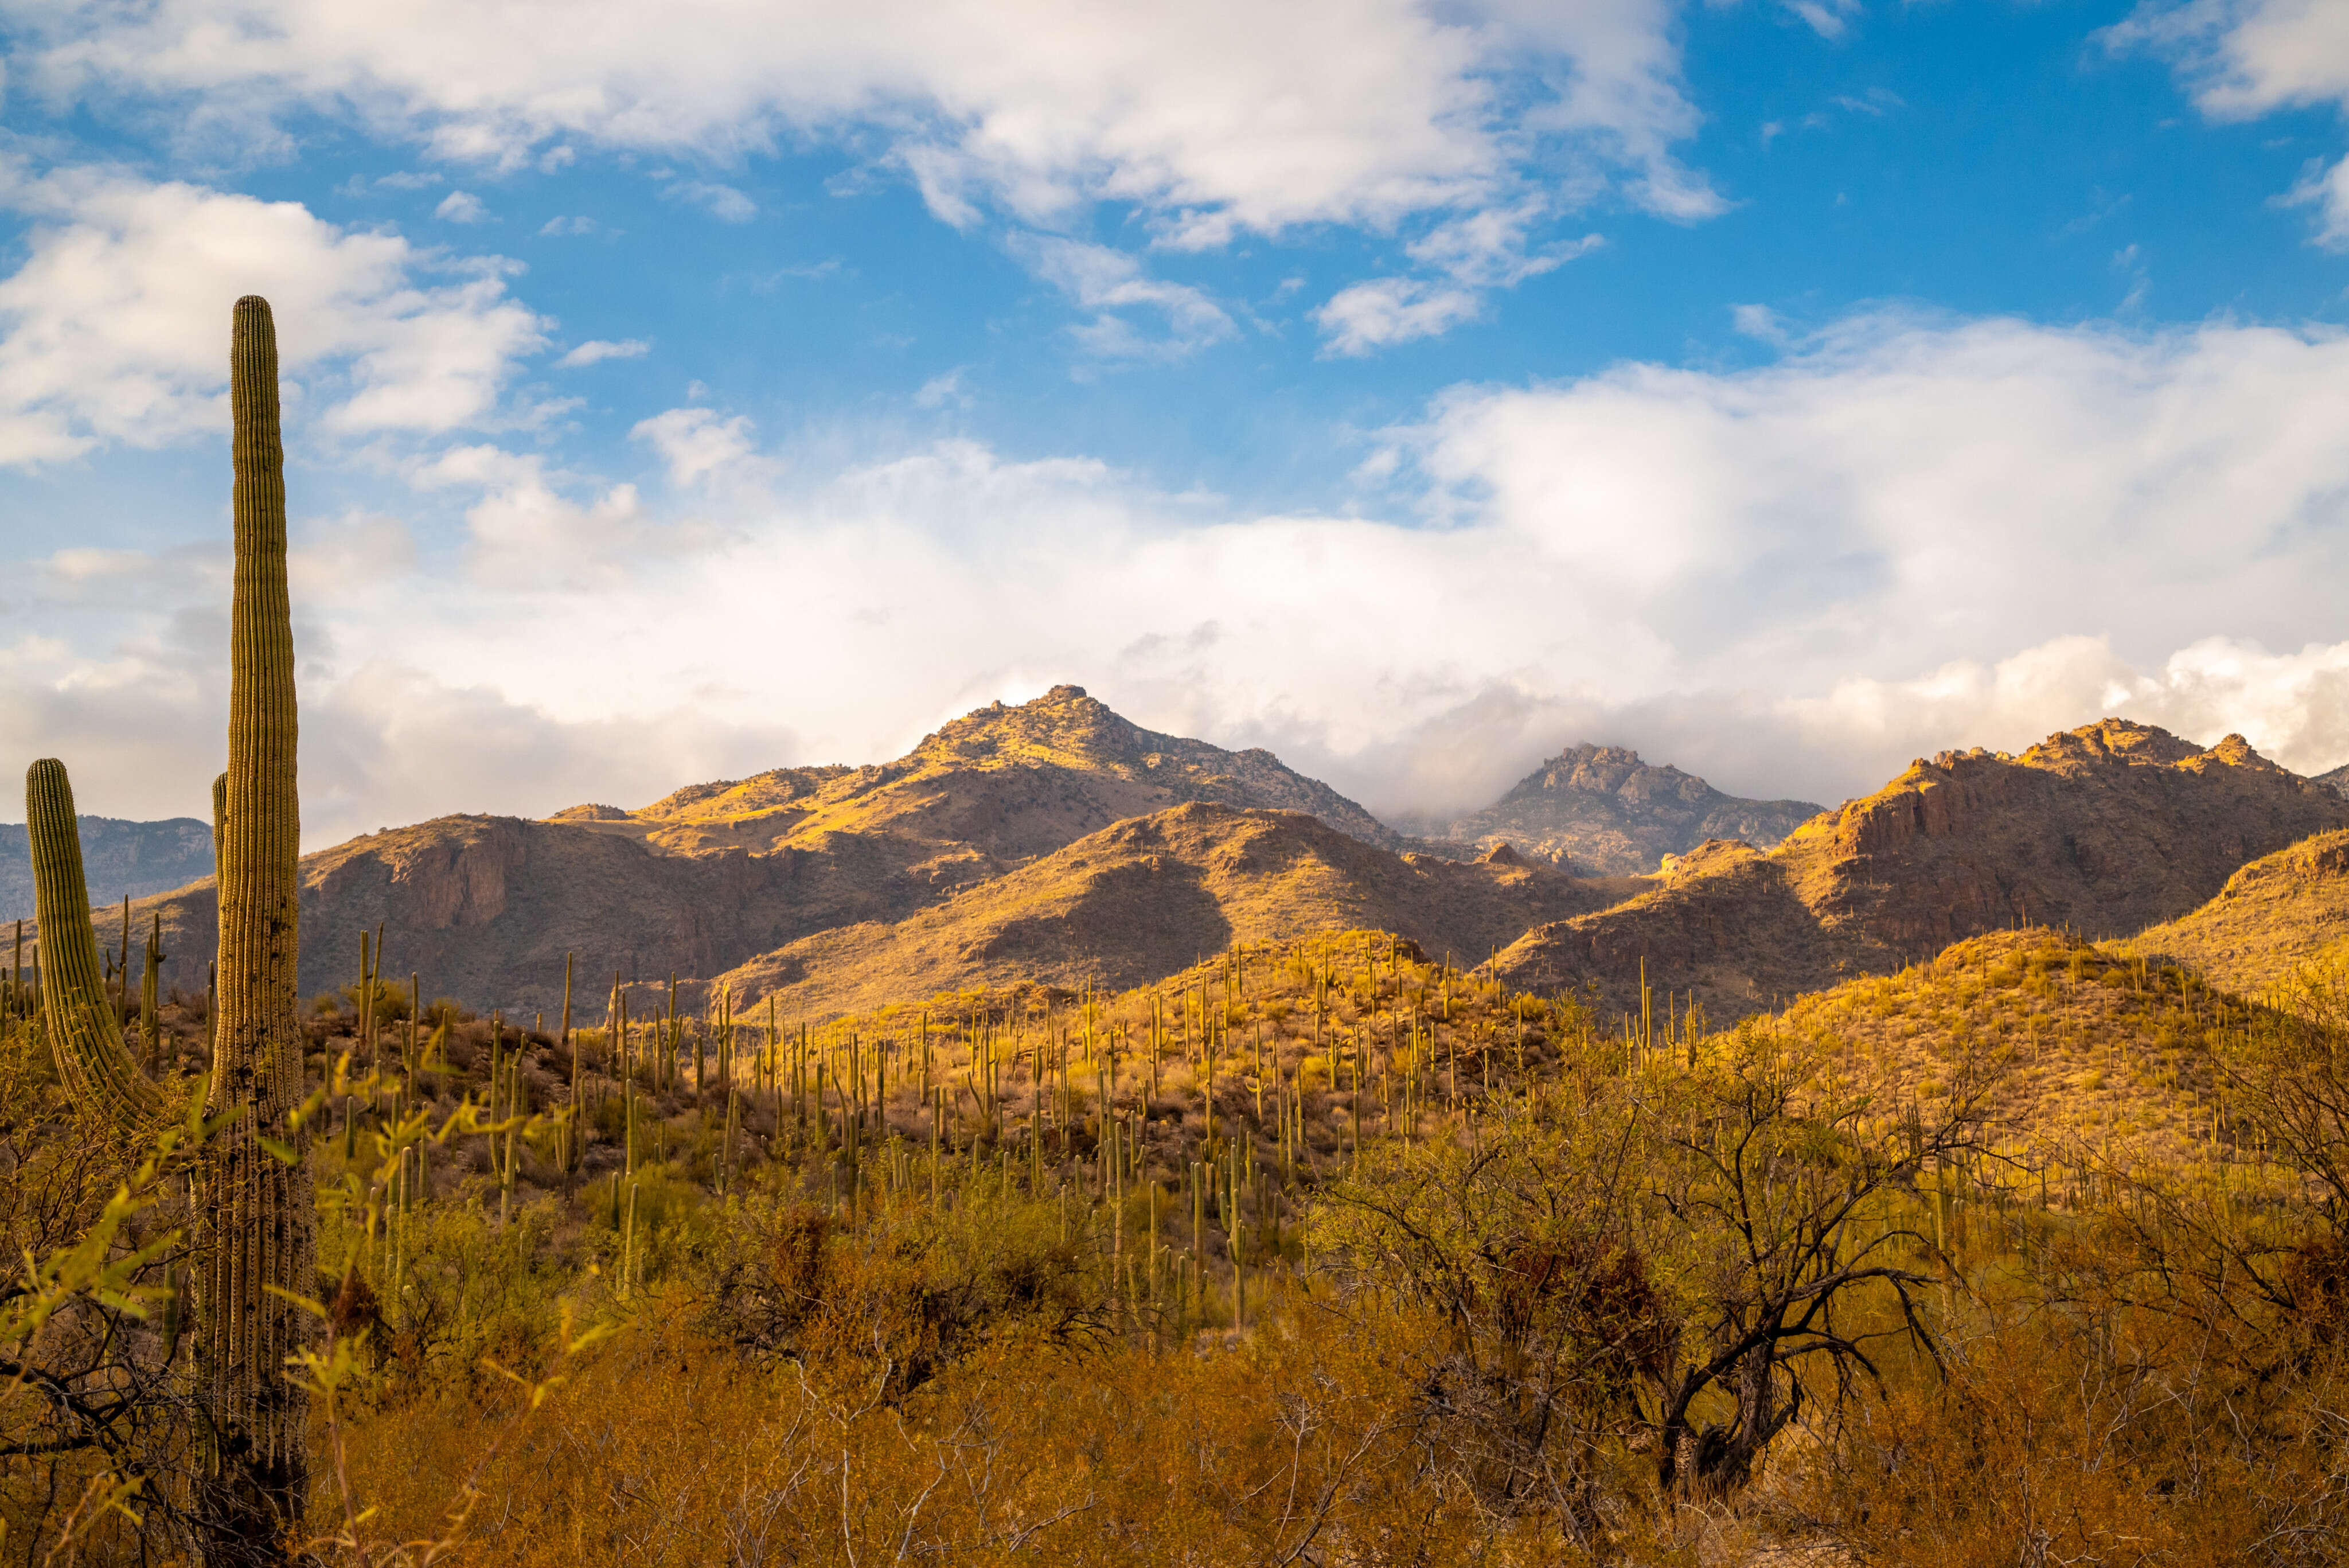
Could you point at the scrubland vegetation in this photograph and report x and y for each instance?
(1436, 1273)
(1316, 1253)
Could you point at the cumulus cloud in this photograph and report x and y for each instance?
(461, 207)
(2243, 58)
(1211, 116)
(1366, 316)
(695, 442)
(113, 327)
(1906, 536)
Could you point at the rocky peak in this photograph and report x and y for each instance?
(1606, 811)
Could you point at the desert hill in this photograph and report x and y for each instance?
(483, 909)
(117, 858)
(2104, 830)
(1147, 897)
(2272, 916)
(1611, 814)
(2072, 1044)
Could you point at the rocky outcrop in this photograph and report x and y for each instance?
(2103, 830)
(1606, 813)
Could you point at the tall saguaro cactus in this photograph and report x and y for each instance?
(256, 1227)
(262, 1209)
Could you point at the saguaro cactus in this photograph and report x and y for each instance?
(257, 1219)
(84, 1030)
(263, 1209)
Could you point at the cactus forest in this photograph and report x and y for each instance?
(1323, 1250)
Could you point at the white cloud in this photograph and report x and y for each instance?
(1214, 115)
(723, 202)
(114, 326)
(562, 227)
(941, 390)
(1367, 317)
(1106, 281)
(2243, 58)
(2327, 190)
(1907, 534)
(595, 350)
(1471, 254)
(461, 207)
(695, 442)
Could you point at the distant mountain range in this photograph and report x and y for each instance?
(1055, 841)
(2104, 830)
(117, 858)
(1606, 813)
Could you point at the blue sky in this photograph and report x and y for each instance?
(678, 392)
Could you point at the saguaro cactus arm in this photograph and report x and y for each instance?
(85, 1031)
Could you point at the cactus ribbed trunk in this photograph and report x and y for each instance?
(260, 1209)
(84, 1027)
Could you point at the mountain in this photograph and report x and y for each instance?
(483, 909)
(1614, 815)
(2336, 780)
(2272, 916)
(117, 858)
(1005, 784)
(2106, 830)
(1148, 896)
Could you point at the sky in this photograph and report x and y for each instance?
(1783, 388)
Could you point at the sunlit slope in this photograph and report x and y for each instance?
(2067, 1042)
(2103, 830)
(1147, 897)
(1009, 782)
(2273, 916)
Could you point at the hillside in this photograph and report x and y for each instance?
(2272, 916)
(117, 858)
(2104, 830)
(2077, 1045)
(483, 909)
(1147, 897)
(1611, 814)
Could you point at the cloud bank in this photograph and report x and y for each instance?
(1909, 534)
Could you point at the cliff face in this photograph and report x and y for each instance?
(2106, 830)
(1606, 813)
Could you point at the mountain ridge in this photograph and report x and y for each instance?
(2107, 829)
(1611, 814)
